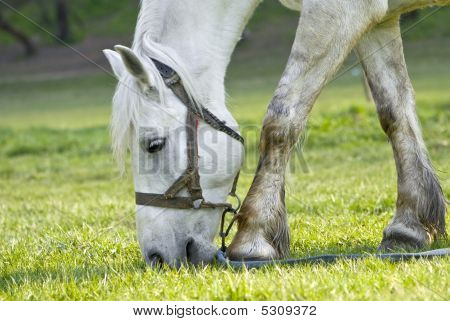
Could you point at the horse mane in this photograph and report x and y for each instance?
(129, 102)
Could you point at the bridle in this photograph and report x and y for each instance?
(190, 179)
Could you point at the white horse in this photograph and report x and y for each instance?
(197, 38)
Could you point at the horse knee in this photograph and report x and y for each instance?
(388, 119)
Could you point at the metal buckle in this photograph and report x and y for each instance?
(225, 232)
(238, 207)
(197, 203)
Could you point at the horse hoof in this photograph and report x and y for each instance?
(392, 245)
(254, 248)
(399, 237)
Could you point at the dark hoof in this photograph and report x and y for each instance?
(393, 245)
(403, 239)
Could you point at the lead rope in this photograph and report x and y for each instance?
(329, 258)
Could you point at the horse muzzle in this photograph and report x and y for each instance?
(175, 255)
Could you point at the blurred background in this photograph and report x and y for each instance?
(35, 67)
(32, 58)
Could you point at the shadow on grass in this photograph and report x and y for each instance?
(19, 278)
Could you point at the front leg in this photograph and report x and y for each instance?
(263, 230)
(326, 33)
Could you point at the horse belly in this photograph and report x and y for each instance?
(400, 6)
(395, 6)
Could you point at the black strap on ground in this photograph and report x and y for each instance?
(221, 259)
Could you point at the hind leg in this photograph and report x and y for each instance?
(421, 208)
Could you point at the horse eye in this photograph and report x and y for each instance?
(155, 145)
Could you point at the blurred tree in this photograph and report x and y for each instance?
(45, 15)
(412, 16)
(62, 17)
(53, 15)
(8, 27)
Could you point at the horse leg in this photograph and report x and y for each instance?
(420, 214)
(327, 32)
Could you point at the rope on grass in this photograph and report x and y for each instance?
(221, 258)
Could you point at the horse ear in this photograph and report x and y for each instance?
(116, 62)
(134, 66)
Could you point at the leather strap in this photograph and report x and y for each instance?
(177, 202)
(191, 177)
(174, 82)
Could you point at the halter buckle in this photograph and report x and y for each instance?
(197, 203)
(238, 207)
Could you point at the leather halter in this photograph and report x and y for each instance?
(191, 177)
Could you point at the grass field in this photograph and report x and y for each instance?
(67, 218)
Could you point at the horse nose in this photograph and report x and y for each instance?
(200, 252)
(188, 252)
(155, 260)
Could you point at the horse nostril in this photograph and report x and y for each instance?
(189, 250)
(155, 260)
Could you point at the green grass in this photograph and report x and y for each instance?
(67, 219)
